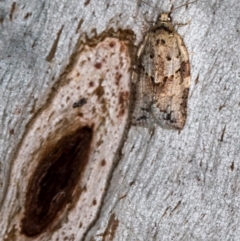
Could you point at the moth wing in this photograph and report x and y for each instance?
(161, 90)
(172, 80)
(143, 88)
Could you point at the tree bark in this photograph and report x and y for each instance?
(133, 183)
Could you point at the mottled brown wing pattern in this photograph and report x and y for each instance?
(163, 81)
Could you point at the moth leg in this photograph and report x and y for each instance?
(134, 76)
(181, 24)
(142, 46)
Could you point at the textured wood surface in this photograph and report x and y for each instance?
(167, 185)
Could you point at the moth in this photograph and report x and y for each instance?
(161, 90)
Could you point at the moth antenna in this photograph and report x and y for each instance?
(155, 8)
(173, 9)
(182, 6)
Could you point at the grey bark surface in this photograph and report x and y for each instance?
(167, 185)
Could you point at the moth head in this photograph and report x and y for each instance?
(165, 17)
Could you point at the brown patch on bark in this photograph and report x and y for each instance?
(111, 228)
(12, 10)
(103, 163)
(27, 15)
(79, 25)
(185, 69)
(54, 46)
(98, 65)
(86, 2)
(123, 100)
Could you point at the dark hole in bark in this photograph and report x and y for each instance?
(54, 180)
